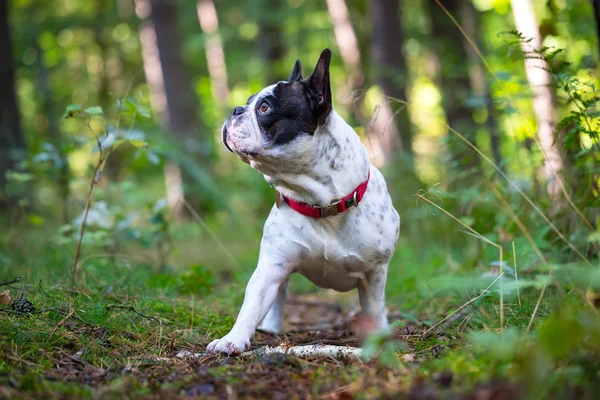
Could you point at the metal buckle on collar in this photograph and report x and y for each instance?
(329, 210)
(332, 209)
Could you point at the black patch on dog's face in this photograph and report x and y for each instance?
(296, 107)
(289, 113)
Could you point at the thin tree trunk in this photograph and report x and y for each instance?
(391, 73)
(347, 43)
(172, 98)
(543, 102)
(215, 55)
(596, 4)
(455, 85)
(12, 144)
(271, 44)
(479, 83)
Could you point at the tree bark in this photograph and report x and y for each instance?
(543, 101)
(391, 75)
(215, 55)
(172, 97)
(455, 86)
(12, 144)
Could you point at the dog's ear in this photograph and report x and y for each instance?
(296, 74)
(319, 89)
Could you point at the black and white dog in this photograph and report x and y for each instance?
(336, 224)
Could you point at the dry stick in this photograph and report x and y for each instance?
(516, 273)
(486, 240)
(514, 105)
(309, 350)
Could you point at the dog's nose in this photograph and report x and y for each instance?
(238, 110)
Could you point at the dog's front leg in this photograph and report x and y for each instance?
(371, 293)
(274, 319)
(260, 294)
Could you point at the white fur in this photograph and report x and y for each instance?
(342, 252)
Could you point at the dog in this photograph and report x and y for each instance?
(335, 224)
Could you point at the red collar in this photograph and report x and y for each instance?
(334, 208)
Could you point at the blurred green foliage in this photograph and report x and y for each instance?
(81, 88)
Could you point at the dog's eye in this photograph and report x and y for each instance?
(264, 107)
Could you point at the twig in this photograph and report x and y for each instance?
(88, 204)
(44, 292)
(537, 305)
(16, 280)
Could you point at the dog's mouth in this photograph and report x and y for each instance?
(224, 138)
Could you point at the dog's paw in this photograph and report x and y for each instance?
(229, 346)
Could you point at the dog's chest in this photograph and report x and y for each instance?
(336, 253)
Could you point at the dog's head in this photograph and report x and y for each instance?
(276, 127)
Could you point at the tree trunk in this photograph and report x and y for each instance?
(12, 144)
(543, 102)
(455, 86)
(596, 4)
(215, 55)
(271, 44)
(478, 81)
(172, 97)
(391, 73)
(349, 94)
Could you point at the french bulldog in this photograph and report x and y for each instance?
(335, 225)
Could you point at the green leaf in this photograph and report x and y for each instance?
(138, 143)
(134, 142)
(71, 110)
(95, 110)
(144, 112)
(18, 177)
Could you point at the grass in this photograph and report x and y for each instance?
(116, 335)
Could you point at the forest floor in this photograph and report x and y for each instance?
(96, 348)
(121, 331)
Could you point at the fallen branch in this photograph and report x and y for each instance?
(310, 351)
(304, 351)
